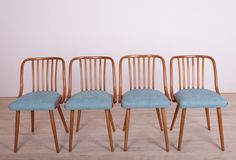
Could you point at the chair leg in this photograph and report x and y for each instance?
(78, 120)
(219, 115)
(174, 118)
(125, 121)
(54, 130)
(159, 118)
(181, 128)
(32, 121)
(62, 118)
(111, 121)
(208, 119)
(17, 126)
(126, 129)
(163, 112)
(71, 129)
(109, 129)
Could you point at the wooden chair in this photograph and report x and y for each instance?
(192, 93)
(44, 95)
(92, 94)
(142, 89)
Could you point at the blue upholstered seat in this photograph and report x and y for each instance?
(90, 100)
(36, 101)
(144, 98)
(199, 98)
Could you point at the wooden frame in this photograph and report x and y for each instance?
(92, 77)
(191, 75)
(147, 65)
(39, 66)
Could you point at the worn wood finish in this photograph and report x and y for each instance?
(54, 131)
(107, 113)
(159, 118)
(126, 129)
(17, 127)
(32, 121)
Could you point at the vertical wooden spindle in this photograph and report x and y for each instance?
(139, 74)
(183, 64)
(180, 79)
(134, 72)
(104, 75)
(81, 75)
(130, 76)
(153, 73)
(144, 73)
(149, 74)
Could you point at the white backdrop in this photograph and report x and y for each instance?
(69, 28)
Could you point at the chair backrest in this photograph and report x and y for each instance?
(44, 74)
(141, 72)
(93, 73)
(191, 70)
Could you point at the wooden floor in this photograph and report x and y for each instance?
(146, 141)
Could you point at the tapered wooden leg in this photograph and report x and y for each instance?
(126, 129)
(109, 129)
(32, 121)
(17, 126)
(208, 119)
(181, 128)
(163, 113)
(78, 120)
(71, 129)
(125, 121)
(159, 118)
(62, 118)
(174, 118)
(54, 130)
(111, 121)
(219, 115)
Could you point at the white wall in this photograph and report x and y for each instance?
(69, 28)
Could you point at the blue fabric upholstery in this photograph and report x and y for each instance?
(90, 100)
(36, 101)
(144, 98)
(199, 98)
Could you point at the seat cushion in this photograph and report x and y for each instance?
(89, 100)
(144, 98)
(199, 98)
(36, 101)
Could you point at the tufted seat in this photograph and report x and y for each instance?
(89, 100)
(199, 98)
(44, 100)
(144, 98)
